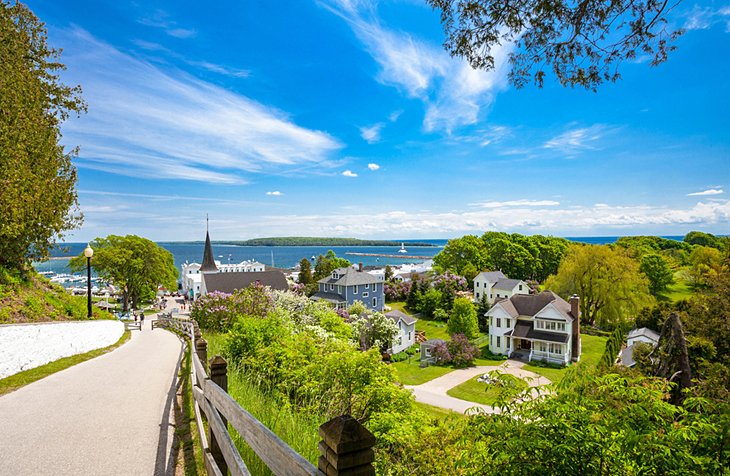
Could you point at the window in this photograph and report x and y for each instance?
(367, 286)
(561, 326)
(409, 335)
(375, 302)
(332, 287)
(476, 283)
(364, 294)
(498, 341)
(490, 295)
(520, 287)
(499, 323)
(400, 340)
(491, 340)
(354, 290)
(477, 295)
(556, 348)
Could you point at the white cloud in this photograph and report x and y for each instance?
(578, 139)
(349, 173)
(144, 122)
(275, 193)
(711, 191)
(393, 116)
(371, 134)
(373, 167)
(453, 92)
(702, 18)
(160, 19)
(567, 221)
(517, 203)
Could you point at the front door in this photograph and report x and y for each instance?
(525, 344)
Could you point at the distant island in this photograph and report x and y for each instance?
(313, 241)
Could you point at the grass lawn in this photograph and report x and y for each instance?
(439, 413)
(21, 379)
(480, 392)
(678, 291)
(410, 373)
(592, 350)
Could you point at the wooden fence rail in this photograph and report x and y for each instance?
(346, 448)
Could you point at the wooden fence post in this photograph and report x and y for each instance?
(201, 348)
(346, 448)
(219, 376)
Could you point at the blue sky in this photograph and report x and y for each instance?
(347, 118)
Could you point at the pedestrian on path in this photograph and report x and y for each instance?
(141, 320)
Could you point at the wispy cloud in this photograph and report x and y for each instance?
(393, 116)
(702, 18)
(160, 19)
(710, 191)
(453, 92)
(578, 139)
(349, 173)
(206, 65)
(516, 203)
(275, 193)
(145, 122)
(373, 167)
(371, 134)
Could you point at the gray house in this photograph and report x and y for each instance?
(346, 285)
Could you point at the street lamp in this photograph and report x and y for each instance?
(88, 252)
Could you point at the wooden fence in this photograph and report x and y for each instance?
(346, 447)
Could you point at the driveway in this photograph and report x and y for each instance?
(434, 391)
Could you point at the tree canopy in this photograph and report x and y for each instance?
(582, 42)
(38, 181)
(136, 265)
(611, 288)
(463, 319)
(327, 263)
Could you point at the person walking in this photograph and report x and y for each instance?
(141, 320)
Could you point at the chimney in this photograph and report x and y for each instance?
(359, 267)
(575, 311)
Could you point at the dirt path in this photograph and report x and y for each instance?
(107, 416)
(434, 391)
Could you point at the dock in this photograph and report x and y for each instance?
(385, 255)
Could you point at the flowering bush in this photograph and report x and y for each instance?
(218, 311)
(396, 291)
(441, 353)
(462, 351)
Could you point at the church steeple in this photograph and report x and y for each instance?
(208, 265)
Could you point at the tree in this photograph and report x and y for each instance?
(657, 271)
(460, 253)
(429, 301)
(305, 272)
(388, 275)
(703, 239)
(375, 330)
(705, 264)
(463, 319)
(511, 258)
(135, 265)
(328, 263)
(583, 43)
(609, 283)
(38, 181)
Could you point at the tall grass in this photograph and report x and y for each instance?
(297, 429)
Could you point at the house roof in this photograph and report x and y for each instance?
(531, 304)
(506, 284)
(329, 297)
(349, 277)
(525, 330)
(230, 282)
(491, 276)
(432, 342)
(397, 315)
(645, 332)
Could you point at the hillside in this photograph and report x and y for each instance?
(314, 241)
(35, 299)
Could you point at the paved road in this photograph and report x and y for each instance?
(107, 416)
(434, 391)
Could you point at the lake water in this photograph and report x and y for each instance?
(286, 256)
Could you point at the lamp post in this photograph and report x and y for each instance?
(88, 252)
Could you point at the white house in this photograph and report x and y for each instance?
(643, 335)
(495, 285)
(536, 327)
(406, 336)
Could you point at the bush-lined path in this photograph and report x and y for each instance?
(434, 391)
(108, 416)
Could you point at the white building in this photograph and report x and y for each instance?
(536, 327)
(643, 335)
(406, 336)
(495, 285)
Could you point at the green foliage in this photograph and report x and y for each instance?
(429, 301)
(503, 388)
(611, 287)
(657, 271)
(706, 263)
(463, 319)
(136, 265)
(582, 44)
(518, 256)
(305, 272)
(613, 347)
(327, 263)
(388, 274)
(374, 330)
(38, 200)
(357, 308)
(704, 239)
(218, 311)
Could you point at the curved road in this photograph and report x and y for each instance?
(110, 415)
(434, 391)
